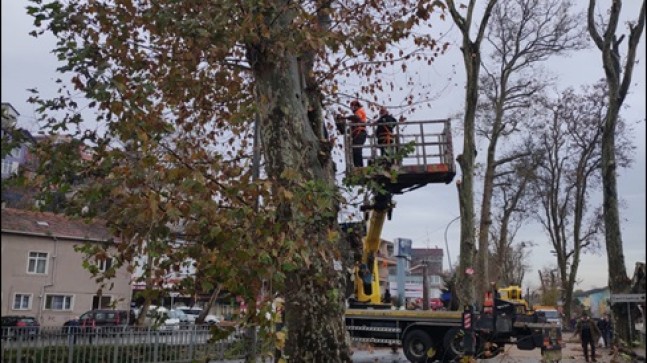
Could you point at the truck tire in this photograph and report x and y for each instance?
(453, 343)
(418, 346)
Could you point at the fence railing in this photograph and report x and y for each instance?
(118, 345)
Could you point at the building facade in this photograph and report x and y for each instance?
(433, 258)
(19, 154)
(43, 275)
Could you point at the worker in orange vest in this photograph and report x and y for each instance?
(358, 132)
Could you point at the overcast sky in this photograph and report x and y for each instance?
(422, 215)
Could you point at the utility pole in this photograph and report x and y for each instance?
(449, 260)
(256, 164)
(425, 285)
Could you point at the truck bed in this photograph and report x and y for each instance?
(443, 317)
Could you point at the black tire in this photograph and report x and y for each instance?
(418, 346)
(453, 343)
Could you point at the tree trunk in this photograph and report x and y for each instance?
(472, 59)
(205, 309)
(483, 280)
(314, 292)
(618, 83)
(618, 279)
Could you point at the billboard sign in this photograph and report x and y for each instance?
(627, 298)
(403, 247)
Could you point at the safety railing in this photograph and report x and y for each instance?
(430, 142)
(118, 345)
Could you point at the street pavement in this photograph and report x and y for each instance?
(571, 353)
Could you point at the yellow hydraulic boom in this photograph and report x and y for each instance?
(429, 159)
(367, 283)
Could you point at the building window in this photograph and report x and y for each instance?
(37, 263)
(9, 167)
(22, 302)
(100, 303)
(58, 302)
(104, 264)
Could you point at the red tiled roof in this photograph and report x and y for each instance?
(51, 224)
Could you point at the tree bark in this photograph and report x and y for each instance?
(472, 61)
(314, 292)
(618, 85)
(482, 281)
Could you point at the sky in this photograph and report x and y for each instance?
(423, 215)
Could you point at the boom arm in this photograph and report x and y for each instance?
(367, 276)
(427, 157)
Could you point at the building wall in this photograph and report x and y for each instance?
(596, 301)
(414, 286)
(64, 275)
(14, 158)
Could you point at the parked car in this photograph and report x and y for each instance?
(436, 304)
(162, 319)
(552, 316)
(100, 319)
(185, 321)
(19, 326)
(193, 312)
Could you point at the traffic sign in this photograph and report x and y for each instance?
(627, 298)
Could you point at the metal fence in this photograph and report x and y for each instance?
(119, 345)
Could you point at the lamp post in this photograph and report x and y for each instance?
(449, 260)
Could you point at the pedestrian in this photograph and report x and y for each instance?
(605, 329)
(73, 329)
(278, 307)
(589, 334)
(387, 296)
(384, 131)
(358, 131)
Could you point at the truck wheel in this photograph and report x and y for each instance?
(453, 343)
(454, 348)
(418, 346)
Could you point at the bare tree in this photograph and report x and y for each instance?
(471, 50)
(522, 34)
(551, 290)
(516, 263)
(618, 78)
(510, 195)
(569, 171)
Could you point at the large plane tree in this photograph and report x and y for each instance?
(522, 34)
(471, 52)
(618, 73)
(172, 88)
(569, 133)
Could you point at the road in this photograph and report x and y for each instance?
(571, 353)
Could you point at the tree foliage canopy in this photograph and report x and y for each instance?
(174, 88)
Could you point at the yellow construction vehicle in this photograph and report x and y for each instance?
(513, 294)
(421, 153)
(425, 335)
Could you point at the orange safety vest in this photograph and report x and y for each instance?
(488, 303)
(361, 114)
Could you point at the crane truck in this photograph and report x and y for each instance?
(426, 157)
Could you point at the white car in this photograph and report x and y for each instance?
(552, 316)
(185, 321)
(193, 313)
(162, 319)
